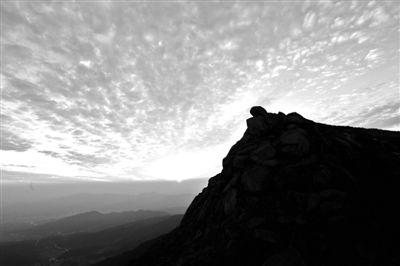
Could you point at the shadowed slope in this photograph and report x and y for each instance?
(291, 192)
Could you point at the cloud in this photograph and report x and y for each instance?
(27, 176)
(113, 89)
(381, 116)
(11, 142)
(86, 159)
(309, 20)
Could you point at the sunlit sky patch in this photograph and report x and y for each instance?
(161, 90)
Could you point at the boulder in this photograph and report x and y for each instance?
(233, 182)
(257, 111)
(229, 201)
(256, 222)
(266, 235)
(248, 148)
(272, 162)
(289, 257)
(295, 142)
(256, 126)
(295, 118)
(313, 201)
(240, 161)
(255, 179)
(264, 153)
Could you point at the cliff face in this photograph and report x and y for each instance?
(292, 192)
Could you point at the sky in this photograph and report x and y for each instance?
(150, 90)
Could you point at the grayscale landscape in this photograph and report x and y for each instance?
(199, 133)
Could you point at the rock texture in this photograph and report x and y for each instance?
(292, 192)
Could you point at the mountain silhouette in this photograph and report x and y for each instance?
(291, 192)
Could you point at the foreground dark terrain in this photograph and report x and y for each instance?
(291, 192)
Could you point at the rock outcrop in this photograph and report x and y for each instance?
(292, 192)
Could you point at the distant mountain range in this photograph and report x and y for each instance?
(92, 244)
(83, 222)
(55, 208)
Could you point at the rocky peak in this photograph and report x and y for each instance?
(293, 192)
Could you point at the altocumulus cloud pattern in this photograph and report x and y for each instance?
(119, 90)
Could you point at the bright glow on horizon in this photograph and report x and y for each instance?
(185, 165)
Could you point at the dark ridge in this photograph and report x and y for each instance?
(291, 192)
